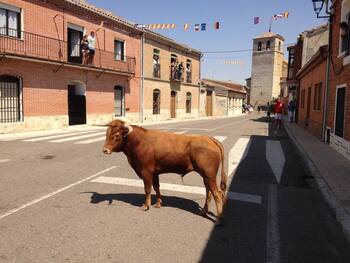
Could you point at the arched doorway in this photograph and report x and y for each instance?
(11, 109)
(173, 104)
(76, 103)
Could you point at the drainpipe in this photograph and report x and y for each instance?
(142, 75)
(200, 84)
(326, 91)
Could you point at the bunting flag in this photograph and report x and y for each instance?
(203, 26)
(216, 25)
(280, 16)
(196, 27)
(256, 20)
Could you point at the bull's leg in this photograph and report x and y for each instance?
(218, 199)
(147, 181)
(158, 204)
(207, 200)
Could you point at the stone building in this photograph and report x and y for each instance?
(226, 98)
(267, 68)
(167, 91)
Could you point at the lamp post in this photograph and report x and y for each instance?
(318, 6)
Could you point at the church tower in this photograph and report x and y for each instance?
(267, 68)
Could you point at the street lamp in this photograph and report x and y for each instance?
(318, 6)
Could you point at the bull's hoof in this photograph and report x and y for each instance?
(144, 208)
(203, 212)
(157, 205)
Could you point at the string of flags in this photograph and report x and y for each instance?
(186, 27)
(283, 15)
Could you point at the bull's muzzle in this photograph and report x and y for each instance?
(106, 151)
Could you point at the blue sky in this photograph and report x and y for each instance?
(236, 26)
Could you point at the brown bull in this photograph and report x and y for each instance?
(152, 152)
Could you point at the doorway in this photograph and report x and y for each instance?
(308, 106)
(76, 104)
(173, 104)
(75, 35)
(209, 103)
(340, 112)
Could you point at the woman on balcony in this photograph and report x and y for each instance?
(84, 44)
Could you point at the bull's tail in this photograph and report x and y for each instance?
(223, 183)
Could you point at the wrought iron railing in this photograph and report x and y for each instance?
(189, 77)
(33, 45)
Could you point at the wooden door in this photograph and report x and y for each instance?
(173, 105)
(209, 103)
(308, 103)
(340, 112)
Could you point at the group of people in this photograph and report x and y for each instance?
(87, 46)
(176, 70)
(279, 109)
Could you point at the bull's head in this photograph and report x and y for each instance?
(115, 136)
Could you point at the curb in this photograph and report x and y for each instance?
(328, 195)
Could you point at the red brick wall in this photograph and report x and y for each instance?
(310, 79)
(339, 75)
(45, 92)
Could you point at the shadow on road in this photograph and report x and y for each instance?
(138, 199)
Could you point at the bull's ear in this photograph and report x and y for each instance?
(127, 129)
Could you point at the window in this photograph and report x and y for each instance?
(10, 21)
(279, 45)
(291, 64)
(344, 27)
(188, 102)
(174, 67)
(156, 63)
(119, 50)
(268, 45)
(317, 96)
(156, 101)
(302, 99)
(259, 46)
(340, 112)
(119, 101)
(188, 71)
(11, 109)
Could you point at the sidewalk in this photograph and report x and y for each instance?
(330, 170)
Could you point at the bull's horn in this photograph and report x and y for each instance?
(128, 126)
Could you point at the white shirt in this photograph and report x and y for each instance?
(92, 42)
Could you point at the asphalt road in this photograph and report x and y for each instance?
(62, 200)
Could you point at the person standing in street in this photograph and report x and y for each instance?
(279, 111)
(92, 45)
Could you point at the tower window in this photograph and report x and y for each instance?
(259, 46)
(268, 45)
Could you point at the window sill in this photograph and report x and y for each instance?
(346, 60)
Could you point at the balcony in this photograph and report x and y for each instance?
(175, 75)
(189, 77)
(29, 45)
(156, 70)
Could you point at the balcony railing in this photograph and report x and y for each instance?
(175, 75)
(41, 47)
(156, 70)
(189, 77)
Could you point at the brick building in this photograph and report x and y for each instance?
(167, 94)
(312, 79)
(43, 80)
(338, 103)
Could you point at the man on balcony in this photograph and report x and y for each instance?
(92, 45)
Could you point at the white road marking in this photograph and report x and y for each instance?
(78, 137)
(55, 192)
(4, 160)
(273, 233)
(220, 138)
(55, 136)
(256, 199)
(237, 153)
(275, 158)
